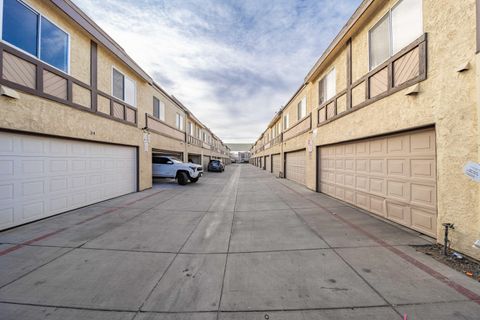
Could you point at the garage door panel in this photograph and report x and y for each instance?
(398, 190)
(392, 176)
(295, 166)
(361, 166)
(362, 200)
(377, 167)
(349, 196)
(398, 212)
(424, 221)
(397, 167)
(361, 149)
(42, 176)
(423, 143)
(398, 145)
(377, 148)
(377, 186)
(276, 164)
(377, 205)
(268, 164)
(422, 169)
(423, 195)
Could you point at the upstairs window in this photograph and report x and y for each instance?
(123, 88)
(179, 121)
(302, 108)
(29, 31)
(398, 28)
(190, 128)
(327, 87)
(158, 109)
(286, 122)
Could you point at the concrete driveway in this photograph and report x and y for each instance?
(236, 245)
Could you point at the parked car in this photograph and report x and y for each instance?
(215, 165)
(171, 167)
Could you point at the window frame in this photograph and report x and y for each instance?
(302, 108)
(39, 36)
(287, 121)
(134, 105)
(388, 16)
(179, 119)
(323, 88)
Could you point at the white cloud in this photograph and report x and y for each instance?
(233, 63)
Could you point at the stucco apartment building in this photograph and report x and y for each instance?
(79, 119)
(388, 117)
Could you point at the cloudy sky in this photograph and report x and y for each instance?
(233, 63)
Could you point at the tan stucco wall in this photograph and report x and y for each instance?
(33, 114)
(291, 108)
(448, 101)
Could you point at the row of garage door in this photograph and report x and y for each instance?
(393, 176)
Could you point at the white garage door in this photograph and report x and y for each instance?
(268, 164)
(276, 164)
(392, 176)
(295, 166)
(42, 176)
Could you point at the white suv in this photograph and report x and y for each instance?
(170, 167)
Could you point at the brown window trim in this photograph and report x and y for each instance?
(420, 42)
(38, 91)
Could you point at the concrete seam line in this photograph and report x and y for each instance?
(433, 273)
(237, 176)
(78, 247)
(47, 235)
(339, 256)
(174, 258)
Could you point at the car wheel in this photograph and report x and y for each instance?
(193, 180)
(182, 178)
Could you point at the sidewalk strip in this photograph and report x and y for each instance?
(47, 235)
(437, 275)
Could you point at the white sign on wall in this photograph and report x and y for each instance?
(146, 141)
(472, 170)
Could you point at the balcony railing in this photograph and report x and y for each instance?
(164, 129)
(404, 69)
(300, 127)
(206, 146)
(194, 141)
(25, 73)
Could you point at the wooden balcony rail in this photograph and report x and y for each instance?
(194, 141)
(160, 127)
(404, 69)
(25, 73)
(300, 127)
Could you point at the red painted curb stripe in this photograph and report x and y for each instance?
(437, 275)
(47, 235)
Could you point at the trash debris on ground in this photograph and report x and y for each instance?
(455, 260)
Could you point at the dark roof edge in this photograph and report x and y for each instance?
(77, 15)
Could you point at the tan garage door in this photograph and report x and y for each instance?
(392, 176)
(276, 164)
(268, 164)
(295, 166)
